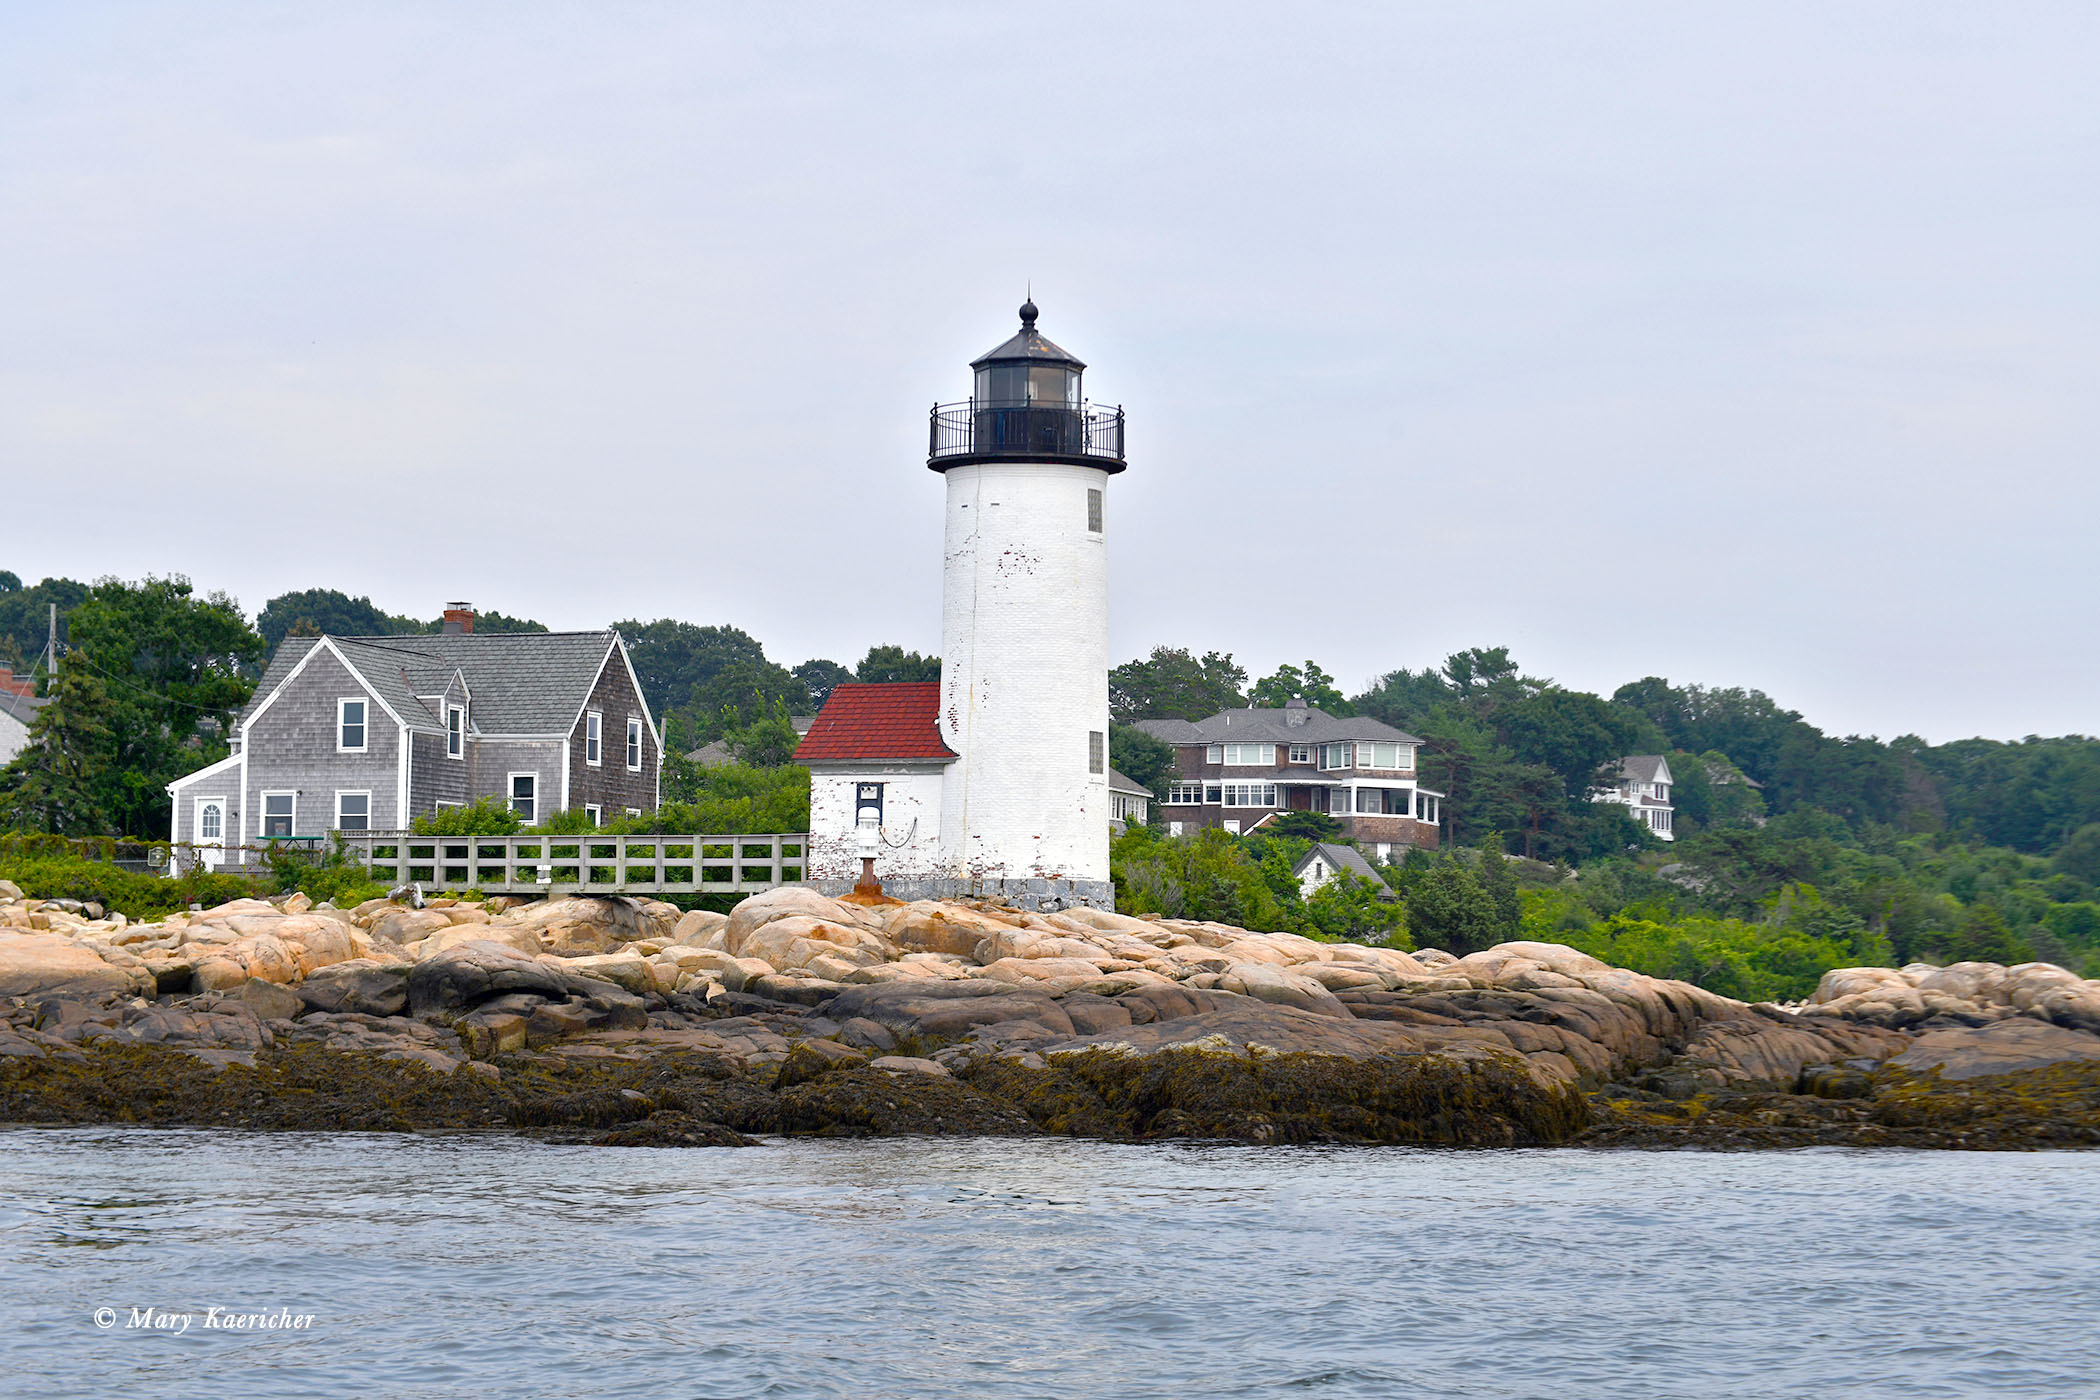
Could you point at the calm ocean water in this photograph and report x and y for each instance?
(983, 1269)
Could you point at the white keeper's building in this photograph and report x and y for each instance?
(995, 781)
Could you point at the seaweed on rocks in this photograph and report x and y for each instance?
(2054, 1106)
(1202, 1092)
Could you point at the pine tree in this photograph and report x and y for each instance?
(61, 780)
(1498, 881)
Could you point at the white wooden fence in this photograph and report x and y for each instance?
(585, 864)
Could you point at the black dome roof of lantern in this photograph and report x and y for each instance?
(1027, 344)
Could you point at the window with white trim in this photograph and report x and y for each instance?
(1336, 755)
(1383, 756)
(593, 738)
(353, 811)
(279, 811)
(634, 744)
(350, 725)
(1249, 756)
(1184, 794)
(592, 814)
(524, 796)
(1231, 828)
(1173, 828)
(211, 821)
(455, 732)
(1213, 793)
(1215, 753)
(1301, 753)
(1250, 794)
(634, 811)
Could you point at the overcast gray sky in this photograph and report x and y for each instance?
(1747, 344)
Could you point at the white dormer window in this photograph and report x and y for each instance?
(594, 739)
(634, 745)
(350, 726)
(455, 732)
(1249, 755)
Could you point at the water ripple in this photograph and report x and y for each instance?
(989, 1269)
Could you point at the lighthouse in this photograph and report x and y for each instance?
(995, 781)
(1026, 463)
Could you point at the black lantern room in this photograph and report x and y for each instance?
(1027, 404)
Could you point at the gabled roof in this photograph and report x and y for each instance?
(1646, 768)
(877, 721)
(1129, 787)
(1270, 726)
(22, 708)
(1339, 858)
(522, 682)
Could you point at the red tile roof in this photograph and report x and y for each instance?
(900, 719)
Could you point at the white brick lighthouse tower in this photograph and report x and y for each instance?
(1024, 627)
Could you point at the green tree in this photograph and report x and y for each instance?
(177, 668)
(1206, 876)
(673, 660)
(890, 664)
(1447, 908)
(1498, 881)
(1146, 761)
(819, 678)
(1306, 826)
(1577, 735)
(65, 779)
(1353, 910)
(1312, 685)
(25, 614)
(767, 740)
(2079, 856)
(493, 621)
(1173, 684)
(315, 612)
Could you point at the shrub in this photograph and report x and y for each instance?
(485, 816)
(135, 896)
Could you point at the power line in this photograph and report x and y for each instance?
(80, 659)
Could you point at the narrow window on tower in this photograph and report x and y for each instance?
(1096, 752)
(1093, 509)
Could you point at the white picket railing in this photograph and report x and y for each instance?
(584, 864)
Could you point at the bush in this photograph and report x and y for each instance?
(329, 875)
(1205, 876)
(485, 816)
(731, 800)
(1768, 961)
(120, 891)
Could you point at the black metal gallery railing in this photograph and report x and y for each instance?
(974, 429)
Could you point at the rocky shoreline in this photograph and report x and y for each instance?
(625, 1022)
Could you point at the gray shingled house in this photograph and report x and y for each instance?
(1241, 768)
(368, 733)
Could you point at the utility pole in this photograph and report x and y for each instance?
(51, 646)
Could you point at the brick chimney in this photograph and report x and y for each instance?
(459, 618)
(11, 685)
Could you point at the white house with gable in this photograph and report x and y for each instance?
(1644, 786)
